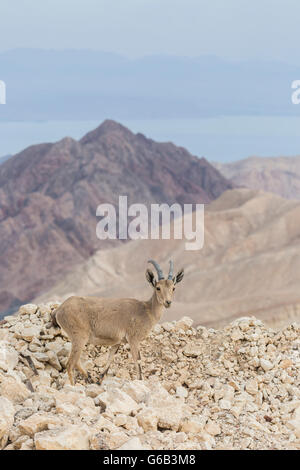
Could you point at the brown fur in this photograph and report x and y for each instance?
(108, 322)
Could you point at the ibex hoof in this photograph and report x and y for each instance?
(88, 378)
(100, 379)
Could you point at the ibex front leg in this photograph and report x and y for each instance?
(136, 355)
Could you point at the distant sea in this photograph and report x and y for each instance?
(220, 139)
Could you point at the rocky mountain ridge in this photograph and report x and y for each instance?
(233, 388)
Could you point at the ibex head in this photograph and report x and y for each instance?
(164, 288)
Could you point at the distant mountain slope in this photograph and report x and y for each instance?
(250, 264)
(279, 175)
(4, 158)
(49, 194)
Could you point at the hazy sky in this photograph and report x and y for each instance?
(233, 29)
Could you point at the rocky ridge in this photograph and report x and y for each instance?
(233, 388)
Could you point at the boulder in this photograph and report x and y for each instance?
(13, 389)
(71, 437)
(137, 390)
(132, 444)
(266, 365)
(212, 428)
(28, 309)
(117, 401)
(53, 360)
(181, 392)
(252, 386)
(192, 424)
(8, 356)
(38, 422)
(7, 412)
(169, 417)
(193, 350)
(28, 333)
(147, 419)
(185, 323)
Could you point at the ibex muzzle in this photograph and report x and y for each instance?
(109, 322)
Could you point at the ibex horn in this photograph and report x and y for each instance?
(158, 270)
(170, 275)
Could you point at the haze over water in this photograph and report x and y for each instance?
(220, 139)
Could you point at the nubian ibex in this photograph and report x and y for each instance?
(109, 322)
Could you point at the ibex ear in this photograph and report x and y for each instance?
(178, 276)
(150, 278)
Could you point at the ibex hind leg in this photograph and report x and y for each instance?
(78, 345)
(81, 369)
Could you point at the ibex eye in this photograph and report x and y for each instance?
(158, 288)
(173, 288)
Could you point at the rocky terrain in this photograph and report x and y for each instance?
(249, 265)
(279, 175)
(49, 194)
(233, 388)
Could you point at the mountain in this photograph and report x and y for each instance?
(49, 194)
(3, 159)
(249, 265)
(279, 175)
(83, 83)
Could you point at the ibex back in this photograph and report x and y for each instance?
(109, 322)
